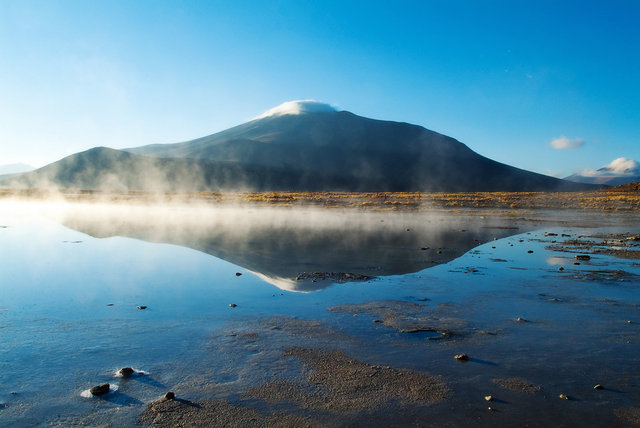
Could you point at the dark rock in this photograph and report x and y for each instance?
(109, 304)
(100, 389)
(232, 305)
(530, 251)
(238, 274)
(170, 395)
(583, 257)
(560, 268)
(126, 371)
(141, 307)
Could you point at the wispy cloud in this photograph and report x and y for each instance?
(562, 143)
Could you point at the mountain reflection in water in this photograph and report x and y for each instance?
(278, 244)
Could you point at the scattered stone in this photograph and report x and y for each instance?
(238, 274)
(488, 397)
(598, 387)
(377, 321)
(424, 248)
(126, 371)
(141, 307)
(583, 257)
(170, 395)
(100, 389)
(530, 251)
(109, 304)
(461, 357)
(439, 251)
(576, 263)
(564, 397)
(550, 234)
(560, 268)
(232, 305)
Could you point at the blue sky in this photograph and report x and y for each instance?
(504, 77)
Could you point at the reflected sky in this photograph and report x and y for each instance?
(71, 281)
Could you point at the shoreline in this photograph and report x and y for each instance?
(613, 199)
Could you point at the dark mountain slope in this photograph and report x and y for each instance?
(312, 151)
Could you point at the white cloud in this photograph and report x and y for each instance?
(618, 167)
(566, 143)
(623, 166)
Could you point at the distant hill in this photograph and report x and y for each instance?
(629, 187)
(15, 168)
(298, 146)
(9, 170)
(620, 171)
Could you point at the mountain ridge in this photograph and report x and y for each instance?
(319, 150)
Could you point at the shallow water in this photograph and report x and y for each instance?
(72, 277)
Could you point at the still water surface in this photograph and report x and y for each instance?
(72, 277)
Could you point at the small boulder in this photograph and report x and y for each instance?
(488, 397)
(142, 307)
(100, 389)
(170, 395)
(232, 305)
(583, 257)
(238, 273)
(126, 371)
(461, 357)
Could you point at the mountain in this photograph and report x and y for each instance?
(12, 169)
(620, 171)
(15, 168)
(300, 145)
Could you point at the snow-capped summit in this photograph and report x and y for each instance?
(298, 107)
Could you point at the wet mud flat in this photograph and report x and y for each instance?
(542, 346)
(512, 331)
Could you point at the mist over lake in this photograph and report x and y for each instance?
(207, 301)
